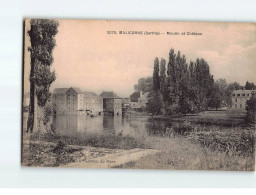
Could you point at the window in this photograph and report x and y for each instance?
(241, 106)
(243, 94)
(236, 100)
(235, 106)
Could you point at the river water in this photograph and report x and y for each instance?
(132, 126)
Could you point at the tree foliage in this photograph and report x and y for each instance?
(179, 87)
(134, 96)
(41, 33)
(144, 84)
(155, 103)
(156, 77)
(251, 110)
(249, 86)
(219, 95)
(184, 88)
(163, 81)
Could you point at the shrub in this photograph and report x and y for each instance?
(251, 110)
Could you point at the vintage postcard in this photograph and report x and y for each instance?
(139, 95)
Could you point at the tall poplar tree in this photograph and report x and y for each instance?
(163, 76)
(41, 33)
(156, 78)
(163, 83)
(155, 100)
(203, 81)
(171, 79)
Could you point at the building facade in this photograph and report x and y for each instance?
(143, 100)
(112, 104)
(126, 102)
(92, 103)
(239, 98)
(59, 99)
(73, 100)
(134, 105)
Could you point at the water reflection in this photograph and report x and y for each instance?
(70, 124)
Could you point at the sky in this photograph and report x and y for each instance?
(86, 56)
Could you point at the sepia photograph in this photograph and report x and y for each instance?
(139, 95)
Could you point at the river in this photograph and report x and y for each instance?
(132, 126)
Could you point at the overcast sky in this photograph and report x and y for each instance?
(89, 58)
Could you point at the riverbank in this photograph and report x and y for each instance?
(224, 118)
(209, 141)
(54, 150)
(195, 149)
(181, 154)
(202, 147)
(49, 154)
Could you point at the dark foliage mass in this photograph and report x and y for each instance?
(134, 96)
(249, 86)
(183, 88)
(178, 87)
(251, 110)
(41, 33)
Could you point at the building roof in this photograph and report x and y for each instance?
(89, 94)
(64, 90)
(109, 94)
(76, 89)
(60, 90)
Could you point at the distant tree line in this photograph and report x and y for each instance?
(178, 87)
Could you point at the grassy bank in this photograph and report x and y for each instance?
(235, 142)
(198, 147)
(179, 153)
(111, 141)
(43, 154)
(52, 150)
(209, 118)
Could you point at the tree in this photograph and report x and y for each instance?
(134, 96)
(163, 81)
(183, 88)
(144, 84)
(203, 82)
(223, 89)
(249, 86)
(234, 86)
(156, 78)
(171, 79)
(155, 103)
(185, 101)
(41, 33)
(162, 75)
(216, 97)
(251, 110)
